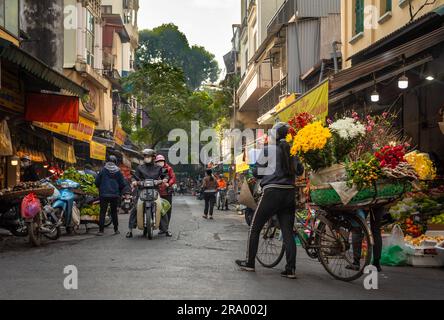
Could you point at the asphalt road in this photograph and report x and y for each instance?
(197, 263)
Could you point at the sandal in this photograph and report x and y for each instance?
(205, 217)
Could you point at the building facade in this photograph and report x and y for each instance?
(291, 50)
(393, 61)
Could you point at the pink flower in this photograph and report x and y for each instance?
(369, 128)
(385, 114)
(329, 121)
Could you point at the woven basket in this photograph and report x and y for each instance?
(16, 195)
(327, 196)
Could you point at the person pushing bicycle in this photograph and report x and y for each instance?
(278, 171)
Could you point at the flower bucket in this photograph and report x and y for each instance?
(335, 173)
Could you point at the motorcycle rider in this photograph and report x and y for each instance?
(148, 170)
(166, 192)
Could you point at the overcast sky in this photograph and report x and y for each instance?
(204, 22)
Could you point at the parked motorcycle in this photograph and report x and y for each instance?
(64, 204)
(148, 217)
(11, 219)
(127, 203)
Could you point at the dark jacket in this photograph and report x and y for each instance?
(111, 182)
(148, 171)
(29, 175)
(269, 167)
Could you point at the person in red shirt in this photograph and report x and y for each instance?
(166, 192)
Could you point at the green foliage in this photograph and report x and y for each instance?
(169, 104)
(86, 181)
(168, 45)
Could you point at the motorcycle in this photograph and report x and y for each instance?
(127, 203)
(148, 213)
(64, 204)
(11, 219)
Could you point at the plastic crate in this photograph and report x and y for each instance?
(424, 257)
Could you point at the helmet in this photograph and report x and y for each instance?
(280, 130)
(112, 159)
(160, 158)
(149, 153)
(26, 157)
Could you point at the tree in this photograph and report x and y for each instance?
(167, 44)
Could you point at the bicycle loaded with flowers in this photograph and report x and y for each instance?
(357, 160)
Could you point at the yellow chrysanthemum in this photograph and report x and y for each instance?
(289, 138)
(312, 137)
(422, 164)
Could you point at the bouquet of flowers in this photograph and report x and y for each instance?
(346, 134)
(363, 173)
(313, 145)
(298, 123)
(422, 165)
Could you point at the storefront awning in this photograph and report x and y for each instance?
(44, 107)
(15, 55)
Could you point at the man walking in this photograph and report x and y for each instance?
(166, 192)
(111, 184)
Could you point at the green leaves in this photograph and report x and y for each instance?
(168, 45)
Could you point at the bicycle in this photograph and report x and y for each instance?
(325, 235)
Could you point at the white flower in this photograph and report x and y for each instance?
(348, 128)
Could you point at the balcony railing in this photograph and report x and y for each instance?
(273, 96)
(283, 16)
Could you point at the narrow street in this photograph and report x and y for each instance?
(197, 263)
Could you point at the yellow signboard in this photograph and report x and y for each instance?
(83, 131)
(64, 151)
(60, 128)
(241, 165)
(285, 102)
(314, 102)
(119, 136)
(97, 151)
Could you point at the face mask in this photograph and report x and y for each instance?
(160, 164)
(148, 160)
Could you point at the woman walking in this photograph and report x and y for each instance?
(278, 171)
(209, 187)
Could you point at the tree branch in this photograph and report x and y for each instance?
(426, 3)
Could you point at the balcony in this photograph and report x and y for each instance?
(283, 16)
(272, 97)
(257, 81)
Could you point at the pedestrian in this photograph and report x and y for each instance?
(209, 188)
(166, 192)
(222, 193)
(376, 216)
(278, 171)
(111, 184)
(29, 173)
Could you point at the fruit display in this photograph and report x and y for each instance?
(437, 219)
(418, 209)
(86, 181)
(21, 187)
(423, 240)
(92, 211)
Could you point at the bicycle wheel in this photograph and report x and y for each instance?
(345, 246)
(271, 248)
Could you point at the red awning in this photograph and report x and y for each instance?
(43, 107)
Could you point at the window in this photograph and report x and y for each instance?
(127, 17)
(90, 38)
(386, 6)
(359, 16)
(107, 9)
(246, 59)
(9, 16)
